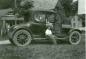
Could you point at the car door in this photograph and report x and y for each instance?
(39, 23)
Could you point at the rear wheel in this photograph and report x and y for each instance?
(22, 37)
(74, 38)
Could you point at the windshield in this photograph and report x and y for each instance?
(39, 17)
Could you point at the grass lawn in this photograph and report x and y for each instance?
(44, 51)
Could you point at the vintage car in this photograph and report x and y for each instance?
(23, 34)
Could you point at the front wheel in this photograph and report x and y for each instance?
(74, 38)
(22, 37)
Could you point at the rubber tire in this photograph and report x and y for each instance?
(14, 39)
(71, 35)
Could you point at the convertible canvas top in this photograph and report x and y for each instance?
(44, 4)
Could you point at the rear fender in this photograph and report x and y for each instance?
(74, 30)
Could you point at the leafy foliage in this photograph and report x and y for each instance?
(66, 4)
(6, 4)
(23, 8)
(66, 7)
(82, 16)
(69, 7)
(74, 7)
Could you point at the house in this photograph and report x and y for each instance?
(4, 12)
(76, 22)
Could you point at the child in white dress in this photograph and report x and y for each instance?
(49, 33)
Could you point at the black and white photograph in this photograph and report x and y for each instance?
(42, 29)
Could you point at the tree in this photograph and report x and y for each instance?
(82, 16)
(74, 8)
(6, 4)
(69, 7)
(66, 6)
(23, 9)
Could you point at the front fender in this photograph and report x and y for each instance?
(15, 28)
(71, 30)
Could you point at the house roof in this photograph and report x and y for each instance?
(44, 4)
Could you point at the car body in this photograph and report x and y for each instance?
(22, 34)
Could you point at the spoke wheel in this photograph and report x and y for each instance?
(75, 37)
(22, 37)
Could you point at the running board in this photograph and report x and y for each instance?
(40, 38)
(46, 38)
(61, 38)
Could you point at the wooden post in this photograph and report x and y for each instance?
(15, 4)
(3, 30)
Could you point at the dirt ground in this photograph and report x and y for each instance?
(44, 50)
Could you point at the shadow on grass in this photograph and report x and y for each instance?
(48, 42)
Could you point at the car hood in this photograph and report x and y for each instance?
(14, 27)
